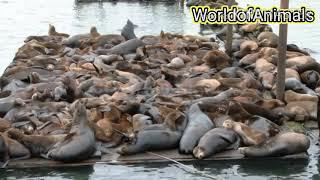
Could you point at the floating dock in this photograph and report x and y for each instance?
(142, 158)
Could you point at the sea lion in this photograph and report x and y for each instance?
(16, 150)
(79, 39)
(109, 39)
(198, 124)
(291, 73)
(128, 31)
(267, 79)
(299, 61)
(263, 125)
(217, 59)
(156, 137)
(216, 140)
(52, 32)
(79, 144)
(4, 153)
(231, 72)
(249, 59)
(280, 145)
(176, 63)
(260, 111)
(246, 47)
(263, 65)
(140, 121)
(310, 78)
(38, 145)
(124, 48)
(297, 86)
(248, 135)
(268, 39)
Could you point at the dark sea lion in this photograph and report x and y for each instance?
(216, 140)
(79, 144)
(310, 78)
(147, 140)
(231, 72)
(248, 135)
(156, 137)
(263, 125)
(309, 66)
(198, 124)
(260, 111)
(38, 145)
(297, 86)
(128, 31)
(280, 145)
(77, 40)
(124, 48)
(4, 153)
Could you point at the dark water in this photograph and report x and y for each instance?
(21, 18)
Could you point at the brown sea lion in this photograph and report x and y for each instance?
(299, 61)
(217, 59)
(291, 73)
(216, 140)
(16, 150)
(280, 145)
(38, 145)
(52, 32)
(267, 79)
(268, 39)
(263, 65)
(248, 135)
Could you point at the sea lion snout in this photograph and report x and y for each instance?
(198, 152)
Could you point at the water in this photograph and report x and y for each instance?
(21, 18)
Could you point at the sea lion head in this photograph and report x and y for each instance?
(80, 112)
(228, 124)
(15, 134)
(94, 31)
(52, 30)
(199, 152)
(34, 78)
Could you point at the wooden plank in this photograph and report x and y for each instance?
(138, 159)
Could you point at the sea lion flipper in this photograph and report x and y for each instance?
(4, 165)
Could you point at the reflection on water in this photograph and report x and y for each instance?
(21, 18)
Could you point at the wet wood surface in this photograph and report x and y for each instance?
(137, 159)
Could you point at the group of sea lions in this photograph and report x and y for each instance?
(62, 94)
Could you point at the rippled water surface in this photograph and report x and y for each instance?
(21, 18)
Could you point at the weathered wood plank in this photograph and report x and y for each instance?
(137, 159)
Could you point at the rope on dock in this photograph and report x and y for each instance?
(194, 170)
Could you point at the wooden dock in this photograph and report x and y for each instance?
(148, 157)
